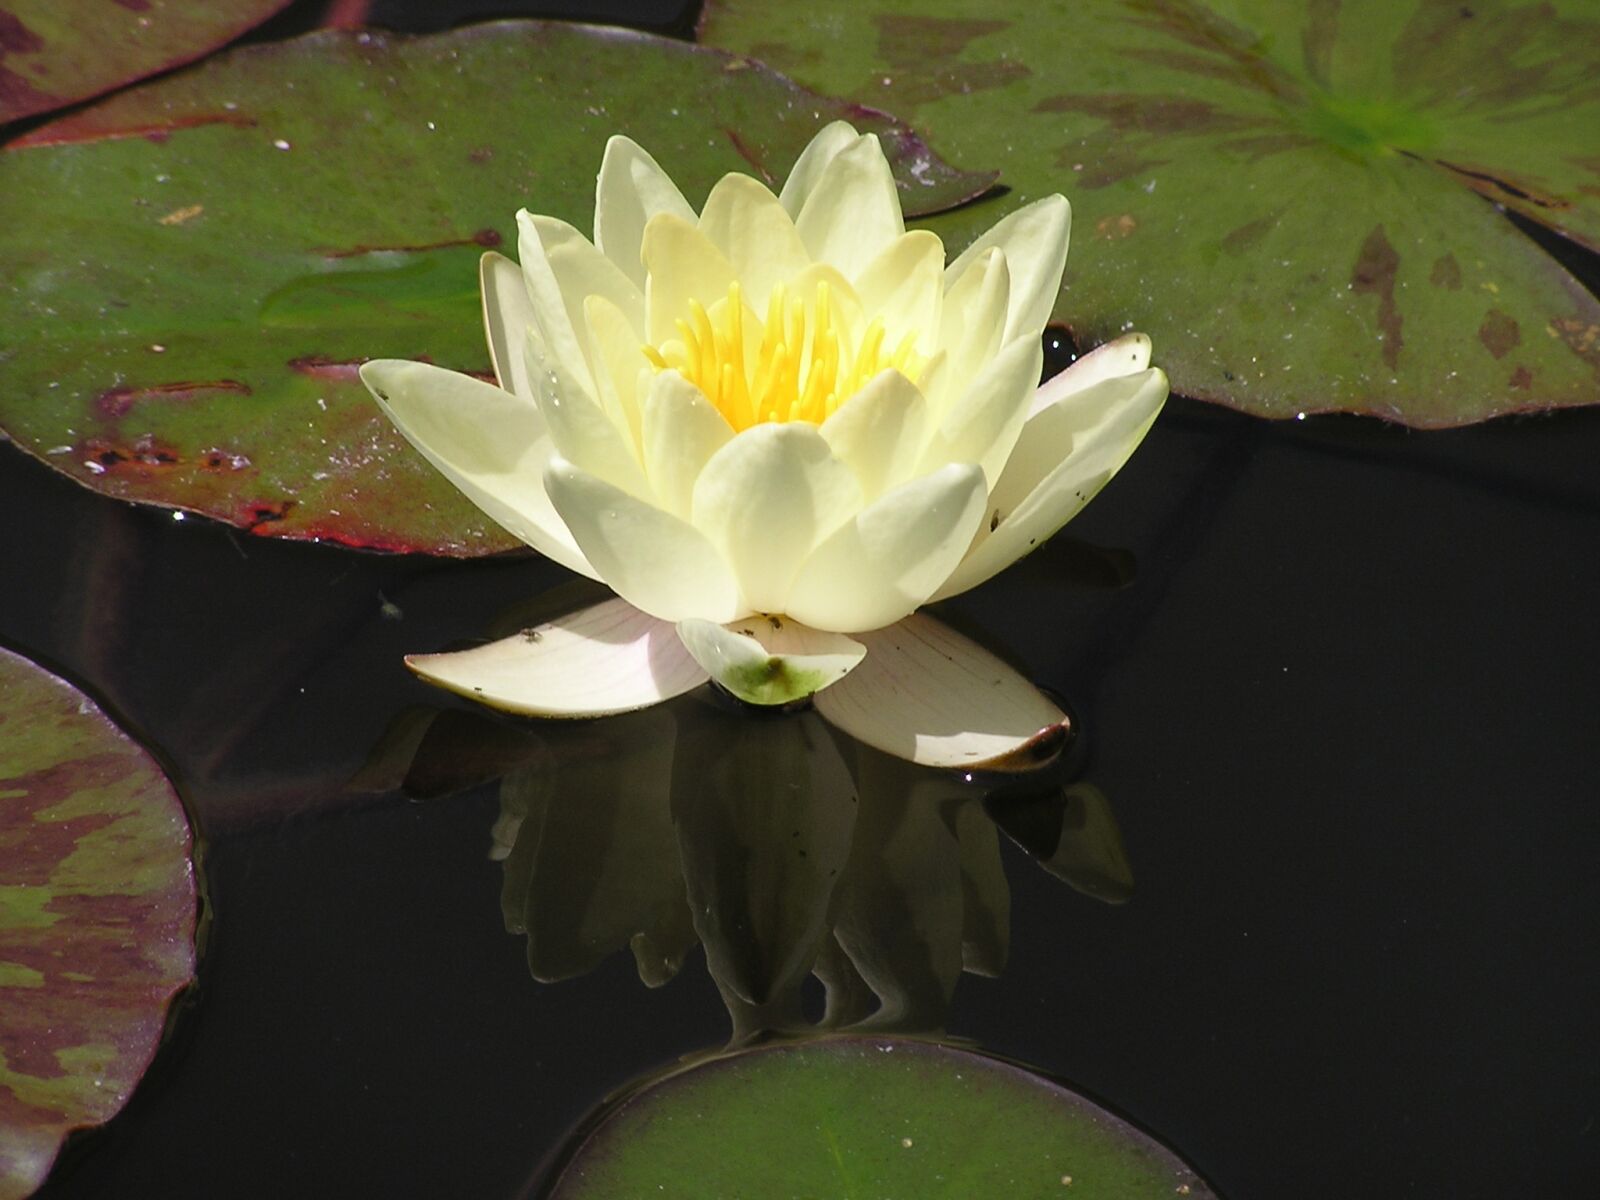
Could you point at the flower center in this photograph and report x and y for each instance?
(799, 364)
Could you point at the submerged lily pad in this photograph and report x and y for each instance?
(201, 264)
(1288, 198)
(895, 1120)
(97, 916)
(58, 52)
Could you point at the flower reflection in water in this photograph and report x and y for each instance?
(783, 847)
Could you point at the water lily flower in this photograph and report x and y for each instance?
(775, 428)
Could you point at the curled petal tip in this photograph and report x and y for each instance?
(1040, 750)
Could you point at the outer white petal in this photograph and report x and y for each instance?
(829, 141)
(1034, 239)
(974, 323)
(606, 659)
(853, 213)
(904, 286)
(745, 221)
(682, 265)
(1121, 356)
(507, 314)
(1066, 454)
(982, 425)
(582, 271)
(630, 190)
(770, 660)
(583, 433)
(927, 694)
(887, 561)
(651, 558)
(879, 432)
(766, 499)
(681, 431)
(561, 268)
(490, 444)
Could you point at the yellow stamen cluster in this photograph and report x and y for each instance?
(799, 364)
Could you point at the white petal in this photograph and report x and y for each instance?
(745, 221)
(982, 425)
(770, 660)
(1126, 355)
(631, 189)
(557, 320)
(682, 265)
(582, 431)
(507, 314)
(766, 499)
(681, 431)
(618, 361)
(649, 557)
(1066, 454)
(848, 315)
(610, 658)
(853, 213)
(891, 557)
(1034, 239)
(490, 444)
(974, 321)
(904, 286)
(879, 432)
(580, 269)
(830, 140)
(927, 694)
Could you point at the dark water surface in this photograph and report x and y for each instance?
(1345, 712)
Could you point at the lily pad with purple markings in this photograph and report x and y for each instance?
(1293, 200)
(97, 916)
(197, 267)
(57, 52)
(890, 1119)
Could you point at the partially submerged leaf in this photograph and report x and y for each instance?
(57, 52)
(1287, 198)
(97, 916)
(202, 264)
(866, 1117)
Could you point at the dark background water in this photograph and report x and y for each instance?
(1345, 712)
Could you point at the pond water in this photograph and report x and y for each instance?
(1343, 714)
(1343, 708)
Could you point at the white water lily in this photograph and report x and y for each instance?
(775, 429)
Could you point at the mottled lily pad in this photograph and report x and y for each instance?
(58, 52)
(97, 916)
(1290, 199)
(201, 264)
(898, 1120)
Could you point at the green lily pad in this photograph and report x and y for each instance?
(202, 263)
(1290, 199)
(894, 1120)
(97, 916)
(57, 52)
